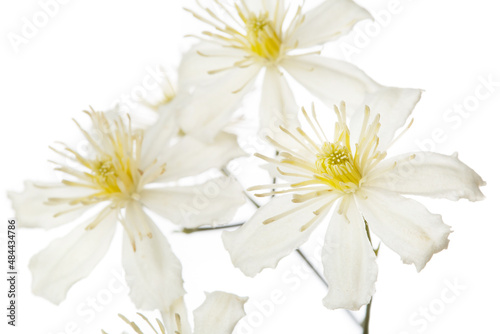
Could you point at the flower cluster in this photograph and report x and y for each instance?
(133, 177)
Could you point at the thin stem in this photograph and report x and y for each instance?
(226, 172)
(202, 229)
(306, 260)
(366, 322)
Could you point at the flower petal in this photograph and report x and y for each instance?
(213, 203)
(219, 313)
(32, 209)
(202, 58)
(190, 156)
(334, 81)
(168, 316)
(68, 259)
(214, 96)
(255, 246)
(277, 106)
(328, 21)
(429, 174)
(153, 272)
(404, 225)
(157, 137)
(349, 261)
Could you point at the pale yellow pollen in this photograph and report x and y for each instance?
(337, 168)
(262, 37)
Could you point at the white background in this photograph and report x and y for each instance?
(93, 51)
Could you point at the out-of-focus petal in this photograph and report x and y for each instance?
(157, 137)
(404, 225)
(349, 261)
(170, 321)
(212, 97)
(219, 313)
(69, 259)
(429, 174)
(153, 272)
(190, 156)
(328, 21)
(202, 58)
(32, 209)
(277, 106)
(255, 245)
(212, 203)
(333, 81)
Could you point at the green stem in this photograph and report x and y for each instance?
(366, 322)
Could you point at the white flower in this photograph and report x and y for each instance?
(276, 36)
(219, 314)
(327, 169)
(124, 172)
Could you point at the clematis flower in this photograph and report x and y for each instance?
(276, 37)
(367, 190)
(219, 314)
(125, 172)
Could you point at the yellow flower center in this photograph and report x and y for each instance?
(335, 166)
(262, 37)
(113, 172)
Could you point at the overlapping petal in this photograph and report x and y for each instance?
(349, 261)
(190, 156)
(255, 245)
(333, 81)
(277, 106)
(404, 225)
(211, 203)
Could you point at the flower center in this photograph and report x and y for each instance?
(335, 166)
(113, 172)
(262, 37)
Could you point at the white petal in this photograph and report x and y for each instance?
(168, 316)
(277, 106)
(394, 105)
(153, 272)
(190, 156)
(157, 137)
(255, 246)
(219, 313)
(429, 174)
(213, 203)
(31, 208)
(213, 97)
(328, 21)
(69, 259)
(404, 225)
(209, 108)
(349, 261)
(202, 58)
(334, 81)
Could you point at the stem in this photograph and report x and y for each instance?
(226, 172)
(311, 266)
(366, 322)
(202, 229)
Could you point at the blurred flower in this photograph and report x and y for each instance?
(124, 172)
(322, 170)
(277, 36)
(219, 314)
